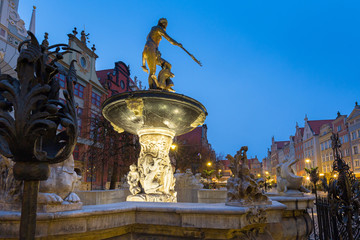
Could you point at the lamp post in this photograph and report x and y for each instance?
(266, 176)
(308, 165)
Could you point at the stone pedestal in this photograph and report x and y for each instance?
(154, 167)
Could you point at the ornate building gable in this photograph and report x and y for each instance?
(308, 133)
(85, 60)
(355, 113)
(12, 32)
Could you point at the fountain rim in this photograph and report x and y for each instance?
(152, 94)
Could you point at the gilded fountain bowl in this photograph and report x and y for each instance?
(149, 109)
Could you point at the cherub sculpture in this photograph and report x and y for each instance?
(133, 178)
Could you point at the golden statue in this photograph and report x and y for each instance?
(152, 56)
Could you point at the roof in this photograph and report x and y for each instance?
(315, 125)
(281, 144)
(117, 74)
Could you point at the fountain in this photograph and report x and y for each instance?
(156, 116)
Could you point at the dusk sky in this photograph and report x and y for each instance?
(265, 63)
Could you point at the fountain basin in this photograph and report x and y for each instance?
(133, 111)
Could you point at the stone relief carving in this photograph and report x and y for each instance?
(242, 189)
(254, 234)
(287, 179)
(256, 215)
(154, 169)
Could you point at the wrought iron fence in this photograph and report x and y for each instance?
(338, 212)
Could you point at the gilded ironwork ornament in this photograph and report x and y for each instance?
(30, 115)
(152, 56)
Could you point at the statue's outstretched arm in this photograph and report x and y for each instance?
(167, 37)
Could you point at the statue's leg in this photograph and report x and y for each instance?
(153, 84)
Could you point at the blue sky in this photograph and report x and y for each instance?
(265, 63)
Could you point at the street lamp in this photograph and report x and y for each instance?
(266, 173)
(173, 146)
(209, 164)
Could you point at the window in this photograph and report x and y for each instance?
(323, 157)
(346, 138)
(95, 99)
(2, 32)
(83, 62)
(341, 140)
(359, 133)
(79, 90)
(357, 163)
(322, 146)
(331, 156)
(61, 78)
(122, 84)
(327, 157)
(356, 150)
(347, 152)
(353, 135)
(339, 128)
(326, 145)
(76, 153)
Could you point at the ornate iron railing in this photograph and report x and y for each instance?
(338, 212)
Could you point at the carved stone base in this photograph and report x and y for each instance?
(151, 198)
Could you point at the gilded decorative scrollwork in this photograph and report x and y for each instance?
(199, 121)
(136, 105)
